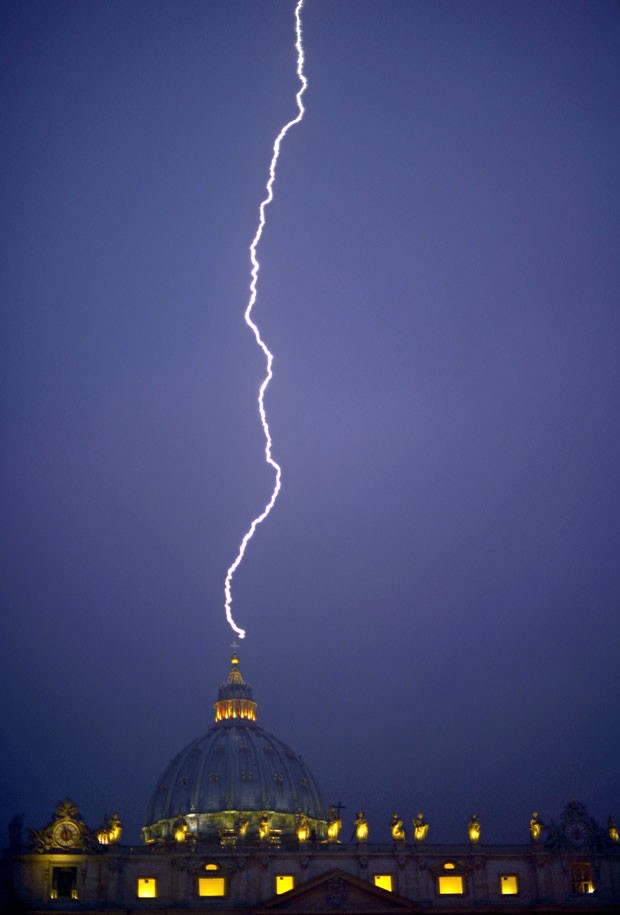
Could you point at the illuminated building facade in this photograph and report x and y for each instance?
(237, 821)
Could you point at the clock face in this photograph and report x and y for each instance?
(65, 833)
(577, 833)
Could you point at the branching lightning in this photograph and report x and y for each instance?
(248, 320)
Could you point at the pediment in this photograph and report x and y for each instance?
(337, 891)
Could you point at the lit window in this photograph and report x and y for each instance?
(450, 885)
(284, 883)
(581, 878)
(147, 888)
(509, 884)
(64, 883)
(211, 886)
(384, 881)
(449, 866)
(210, 867)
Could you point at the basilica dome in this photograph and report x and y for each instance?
(236, 782)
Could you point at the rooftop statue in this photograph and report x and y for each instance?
(303, 827)
(110, 832)
(420, 828)
(361, 827)
(263, 827)
(474, 828)
(334, 824)
(180, 829)
(396, 827)
(536, 827)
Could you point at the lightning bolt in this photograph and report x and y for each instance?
(254, 328)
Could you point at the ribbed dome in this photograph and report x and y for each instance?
(227, 781)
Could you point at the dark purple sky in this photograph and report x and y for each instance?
(432, 608)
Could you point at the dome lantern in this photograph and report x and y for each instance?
(235, 695)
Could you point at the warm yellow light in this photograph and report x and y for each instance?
(180, 829)
(115, 828)
(211, 886)
(361, 827)
(474, 829)
(284, 883)
(235, 708)
(333, 829)
(449, 866)
(450, 885)
(210, 867)
(581, 877)
(303, 828)
(147, 888)
(384, 881)
(509, 885)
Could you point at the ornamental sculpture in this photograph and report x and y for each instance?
(180, 829)
(303, 827)
(536, 827)
(612, 830)
(110, 832)
(473, 829)
(361, 827)
(334, 824)
(396, 828)
(420, 828)
(67, 831)
(264, 827)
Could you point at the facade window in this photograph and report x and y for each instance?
(212, 886)
(581, 878)
(284, 883)
(64, 883)
(450, 885)
(147, 888)
(383, 881)
(509, 884)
